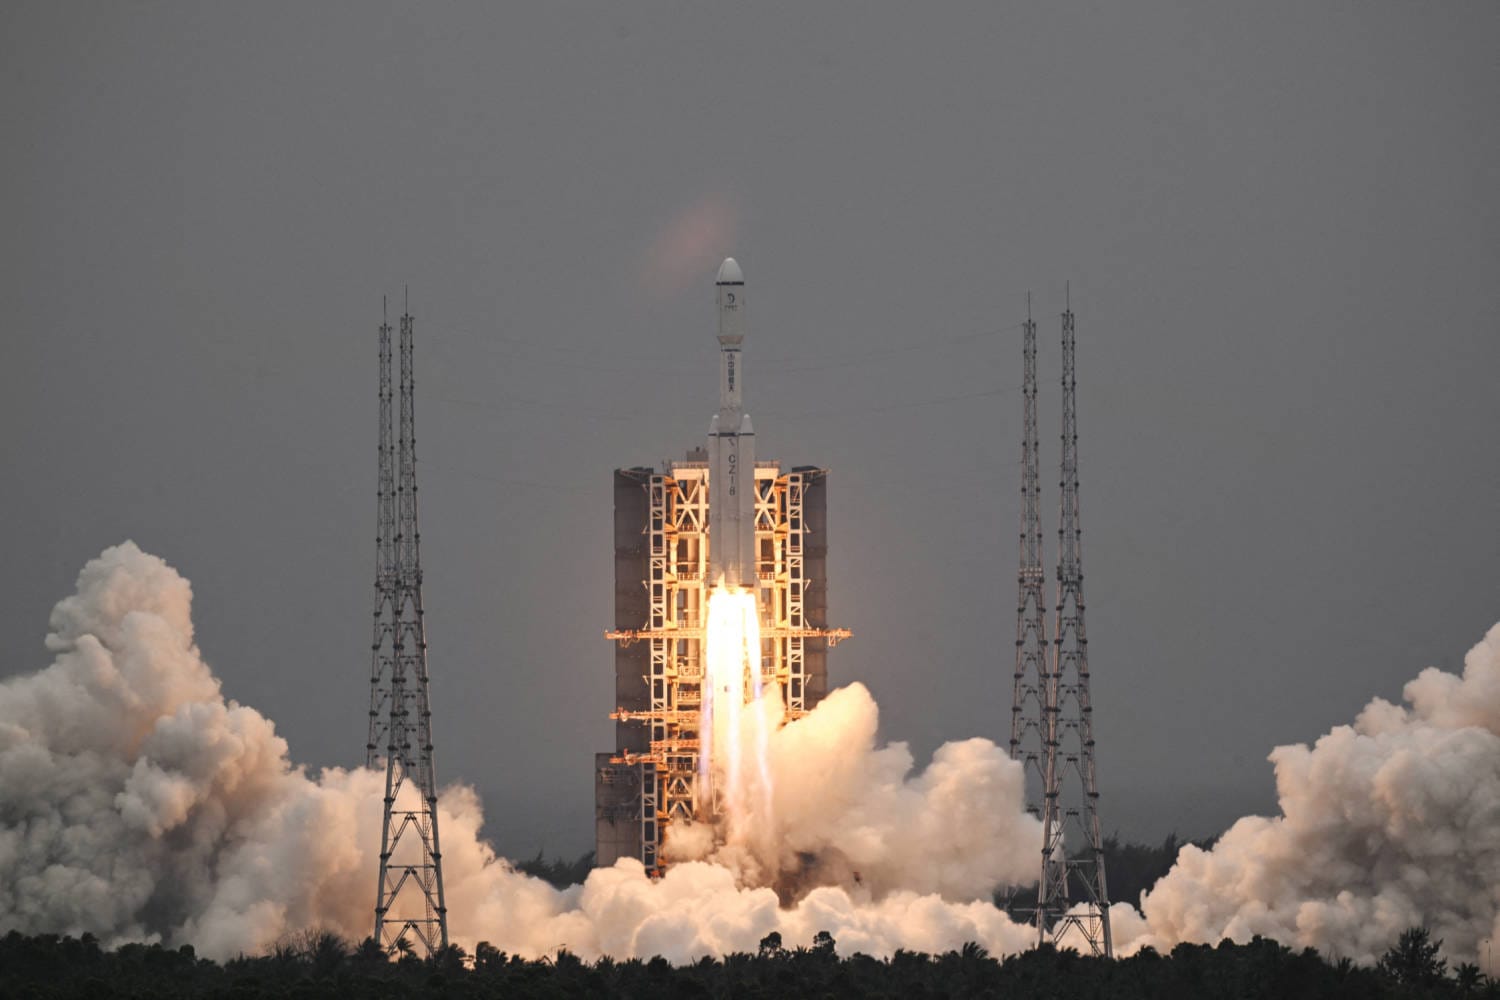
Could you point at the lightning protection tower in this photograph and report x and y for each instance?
(409, 895)
(382, 645)
(1028, 704)
(1073, 893)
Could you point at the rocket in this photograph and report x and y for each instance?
(731, 446)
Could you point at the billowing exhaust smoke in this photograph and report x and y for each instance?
(1389, 823)
(137, 803)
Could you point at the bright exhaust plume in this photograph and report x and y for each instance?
(735, 729)
(139, 804)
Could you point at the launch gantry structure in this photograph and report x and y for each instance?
(1052, 728)
(409, 893)
(677, 587)
(664, 570)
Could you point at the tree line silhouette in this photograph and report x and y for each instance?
(317, 964)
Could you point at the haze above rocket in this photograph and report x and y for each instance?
(731, 446)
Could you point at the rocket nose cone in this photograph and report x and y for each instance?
(730, 273)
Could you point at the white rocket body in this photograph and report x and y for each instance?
(731, 447)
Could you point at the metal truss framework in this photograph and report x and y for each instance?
(1073, 894)
(383, 643)
(409, 894)
(678, 543)
(1028, 702)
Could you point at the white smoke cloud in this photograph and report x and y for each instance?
(137, 803)
(846, 812)
(1388, 823)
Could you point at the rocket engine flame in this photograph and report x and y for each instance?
(738, 791)
(139, 804)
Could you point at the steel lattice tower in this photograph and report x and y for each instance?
(411, 861)
(1027, 740)
(382, 645)
(1073, 892)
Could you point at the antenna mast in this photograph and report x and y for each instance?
(1072, 793)
(1027, 707)
(382, 646)
(410, 856)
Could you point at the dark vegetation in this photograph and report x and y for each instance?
(558, 872)
(1130, 869)
(1133, 868)
(319, 964)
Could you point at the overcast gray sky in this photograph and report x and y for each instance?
(1280, 222)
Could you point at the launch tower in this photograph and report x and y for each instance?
(409, 894)
(1028, 703)
(717, 515)
(1052, 727)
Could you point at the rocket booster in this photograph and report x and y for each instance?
(731, 446)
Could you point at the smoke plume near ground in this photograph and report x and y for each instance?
(845, 811)
(137, 803)
(1388, 823)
